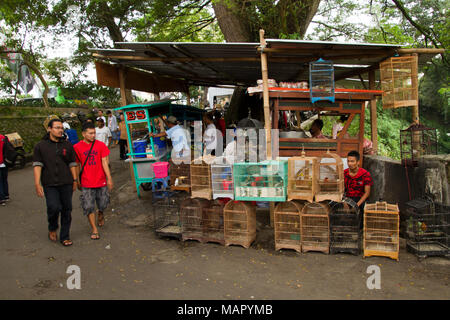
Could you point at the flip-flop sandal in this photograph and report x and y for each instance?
(50, 238)
(67, 243)
(95, 236)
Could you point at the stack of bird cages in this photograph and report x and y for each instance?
(415, 142)
(345, 220)
(166, 218)
(429, 231)
(321, 80)
(260, 181)
(191, 214)
(381, 230)
(201, 179)
(315, 227)
(239, 223)
(287, 225)
(330, 178)
(212, 222)
(398, 77)
(180, 176)
(222, 179)
(302, 184)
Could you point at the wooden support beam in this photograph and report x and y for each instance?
(373, 114)
(415, 84)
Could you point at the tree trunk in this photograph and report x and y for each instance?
(234, 27)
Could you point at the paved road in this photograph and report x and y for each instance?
(130, 262)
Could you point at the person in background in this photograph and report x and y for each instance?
(177, 135)
(123, 138)
(210, 135)
(100, 115)
(102, 133)
(113, 127)
(339, 125)
(219, 122)
(316, 129)
(230, 151)
(54, 167)
(358, 181)
(4, 192)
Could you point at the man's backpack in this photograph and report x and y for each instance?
(9, 153)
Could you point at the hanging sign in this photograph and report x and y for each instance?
(136, 115)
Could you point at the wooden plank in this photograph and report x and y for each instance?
(373, 114)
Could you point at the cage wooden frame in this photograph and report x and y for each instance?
(239, 223)
(182, 172)
(201, 179)
(315, 227)
(287, 225)
(213, 223)
(191, 216)
(302, 188)
(330, 189)
(381, 230)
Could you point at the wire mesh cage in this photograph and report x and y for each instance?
(180, 176)
(381, 230)
(330, 178)
(415, 142)
(212, 221)
(222, 180)
(428, 231)
(321, 80)
(201, 179)
(302, 184)
(397, 75)
(261, 181)
(345, 220)
(287, 225)
(191, 214)
(315, 227)
(239, 223)
(415, 207)
(166, 218)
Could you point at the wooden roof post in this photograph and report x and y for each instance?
(415, 84)
(373, 114)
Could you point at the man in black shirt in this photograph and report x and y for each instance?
(55, 168)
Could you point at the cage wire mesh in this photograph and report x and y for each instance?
(191, 213)
(287, 229)
(166, 218)
(345, 220)
(222, 180)
(321, 80)
(180, 176)
(417, 141)
(213, 230)
(315, 227)
(239, 223)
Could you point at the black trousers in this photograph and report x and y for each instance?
(361, 210)
(123, 149)
(59, 201)
(4, 192)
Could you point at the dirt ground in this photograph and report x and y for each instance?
(131, 262)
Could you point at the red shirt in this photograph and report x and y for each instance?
(2, 145)
(93, 174)
(354, 186)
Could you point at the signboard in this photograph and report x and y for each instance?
(137, 115)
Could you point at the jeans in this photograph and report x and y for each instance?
(59, 200)
(123, 147)
(4, 192)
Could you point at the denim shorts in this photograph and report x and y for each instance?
(90, 196)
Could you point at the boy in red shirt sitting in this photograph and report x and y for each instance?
(357, 181)
(95, 178)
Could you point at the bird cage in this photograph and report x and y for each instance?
(287, 225)
(398, 77)
(212, 221)
(191, 214)
(201, 179)
(330, 178)
(260, 181)
(222, 179)
(315, 227)
(414, 208)
(429, 231)
(345, 220)
(381, 230)
(239, 223)
(302, 184)
(415, 142)
(180, 176)
(321, 80)
(166, 218)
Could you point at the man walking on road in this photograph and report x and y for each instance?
(55, 168)
(95, 180)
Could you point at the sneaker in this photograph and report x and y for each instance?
(3, 203)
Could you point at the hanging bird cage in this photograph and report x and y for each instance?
(381, 230)
(166, 218)
(398, 77)
(213, 222)
(191, 214)
(222, 179)
(245, 128)
(415, 142)
(345, 221)
(287, 225)
(239, 223)
(180, 176)
(315, 227)
(201, 179)
(330, 178)
(302, 184)
(321, 80)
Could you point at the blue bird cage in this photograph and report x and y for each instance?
(321, 80)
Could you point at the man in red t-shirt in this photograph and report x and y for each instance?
(357, 181)
(95, 178)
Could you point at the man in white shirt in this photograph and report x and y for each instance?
(113, 126)
(100, 115)
(102, 133)
(210, 135)
(178, 137)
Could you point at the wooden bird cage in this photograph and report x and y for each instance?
(180, 176)
(415, 142)
(315, 227)
(222, 179)
(381, 230)
(191, 214)
(287, 225)
(302, 184)
(212, 222)
(399, 82)
(330, 178)
(345, 221)
(239, 223)
(201, 179)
